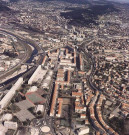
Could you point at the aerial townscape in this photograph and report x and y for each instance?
(64, 67)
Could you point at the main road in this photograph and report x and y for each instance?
(95, 89)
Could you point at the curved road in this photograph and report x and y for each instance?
(29, 57)
(94, 88)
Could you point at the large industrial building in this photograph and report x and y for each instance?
(7, 98)
(37, 75)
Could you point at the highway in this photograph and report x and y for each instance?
(28, 59)
(27, 55)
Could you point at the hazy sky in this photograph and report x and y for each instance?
(125, 1)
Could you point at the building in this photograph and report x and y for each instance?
(37, 75)
(3, 130)
(34, 131)
(80, 109)
(11, 125)
(7, 117)
(62, 78)
(83, 131)
(83, 116)
(7, 98)
(77, 94)
(44, 60)
(53, 104)
(47, 80)
(40, 108)
(33, 89)
(60, 101)
(81, 61)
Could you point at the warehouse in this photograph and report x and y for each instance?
(7, 98)
(38, 75)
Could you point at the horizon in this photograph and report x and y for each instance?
(121, 1)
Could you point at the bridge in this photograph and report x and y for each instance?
(30, 64)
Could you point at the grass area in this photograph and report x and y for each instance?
(34, 98)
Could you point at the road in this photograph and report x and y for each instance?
(89, 77)
(28, 52)
(28, 59)
(96, 97)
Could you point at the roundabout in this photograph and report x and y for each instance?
(45, 129)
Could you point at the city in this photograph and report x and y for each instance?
(64, 67)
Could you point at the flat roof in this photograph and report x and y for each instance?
(25, 104)
(23, 115)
